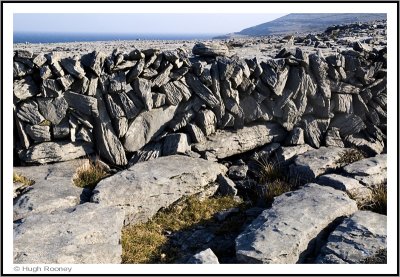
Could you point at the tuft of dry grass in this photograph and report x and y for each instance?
(272, 182)
(350, 156)
(268, 171)
(89, 174)
(377, 202)
(18, 178)
(147, 242)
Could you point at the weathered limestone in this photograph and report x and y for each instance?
(53, 109)
(293, 224)
(201, 90)
(226, 186)
(147, 126)
(47, 152)
(25, 88)
(370, 172)
(108, 144)
(369, 166)
(227, 143)
(210, 49)
(175, 144)
(286, 154)
(29, 112)
(204, 257)
(349, 185)
(313, 163)
(144, 188)
(86, 234)
(53, 188)
(358, 237)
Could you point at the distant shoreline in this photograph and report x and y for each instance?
(37, 38)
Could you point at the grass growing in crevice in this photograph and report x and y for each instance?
(272, 182)
(89, 174)
(18, 178)
(350, 156)
(148, 242)
(376, 202)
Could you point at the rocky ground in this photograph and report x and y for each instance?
(293, 127)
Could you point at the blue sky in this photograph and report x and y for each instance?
(148, 23)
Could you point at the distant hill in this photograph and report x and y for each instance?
(308, 22)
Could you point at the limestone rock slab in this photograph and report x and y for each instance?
(359, 237)
(285, 234)
(87, 234)
(144, 188)
(226, 143)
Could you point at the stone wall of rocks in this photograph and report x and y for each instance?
(130, 107)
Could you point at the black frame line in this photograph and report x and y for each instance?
(202, 2)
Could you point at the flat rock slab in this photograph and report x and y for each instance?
(347, 184)
(313, 163)
(87, 234)
(370, 172)
(48, 152)
(226, 143)
(286, 233)
(368, 166)
(53, 188)
(359, 237)
(146, 187)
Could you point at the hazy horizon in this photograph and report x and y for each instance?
(149, 23)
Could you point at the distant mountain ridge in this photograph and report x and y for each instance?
(308, 22)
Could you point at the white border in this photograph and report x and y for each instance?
(389, 8)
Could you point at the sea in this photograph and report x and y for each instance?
(80, 37)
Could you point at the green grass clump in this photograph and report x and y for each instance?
(147, 243)
(89, 174)
(18, 178)
(350, 156)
